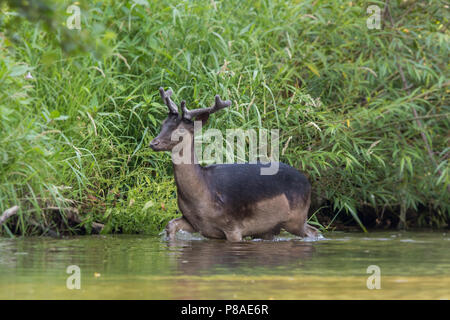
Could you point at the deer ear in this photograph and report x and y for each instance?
(202, 117)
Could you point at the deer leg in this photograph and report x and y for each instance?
(176, 225)
(311, 231)
(295, 228)
(234, 236)
(296, 225)
(300, 228)
(264, 236)
(268, 235)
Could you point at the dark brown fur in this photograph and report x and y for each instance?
(232, 201)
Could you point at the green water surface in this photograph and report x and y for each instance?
(413, 265)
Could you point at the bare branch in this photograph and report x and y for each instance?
(8, 213)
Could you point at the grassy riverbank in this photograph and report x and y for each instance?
(78, 108)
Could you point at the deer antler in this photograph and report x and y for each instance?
(165, 95)
(218, 105)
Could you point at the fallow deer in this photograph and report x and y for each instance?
(231, 201)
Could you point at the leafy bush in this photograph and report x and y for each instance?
(343, 97)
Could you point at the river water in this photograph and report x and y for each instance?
(410, 265)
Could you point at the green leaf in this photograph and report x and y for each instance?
(147, 205)
(313, 69)
(54, 114)
(352, 211)
(18, 70)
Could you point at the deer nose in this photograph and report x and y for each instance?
(154, 143)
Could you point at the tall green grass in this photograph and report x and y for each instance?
(77, 133)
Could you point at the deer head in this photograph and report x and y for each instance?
(184, 124)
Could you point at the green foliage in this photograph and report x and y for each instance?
(77, 133)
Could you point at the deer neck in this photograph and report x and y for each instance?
(189, 177)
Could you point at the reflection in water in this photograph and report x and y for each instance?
(214, 256)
